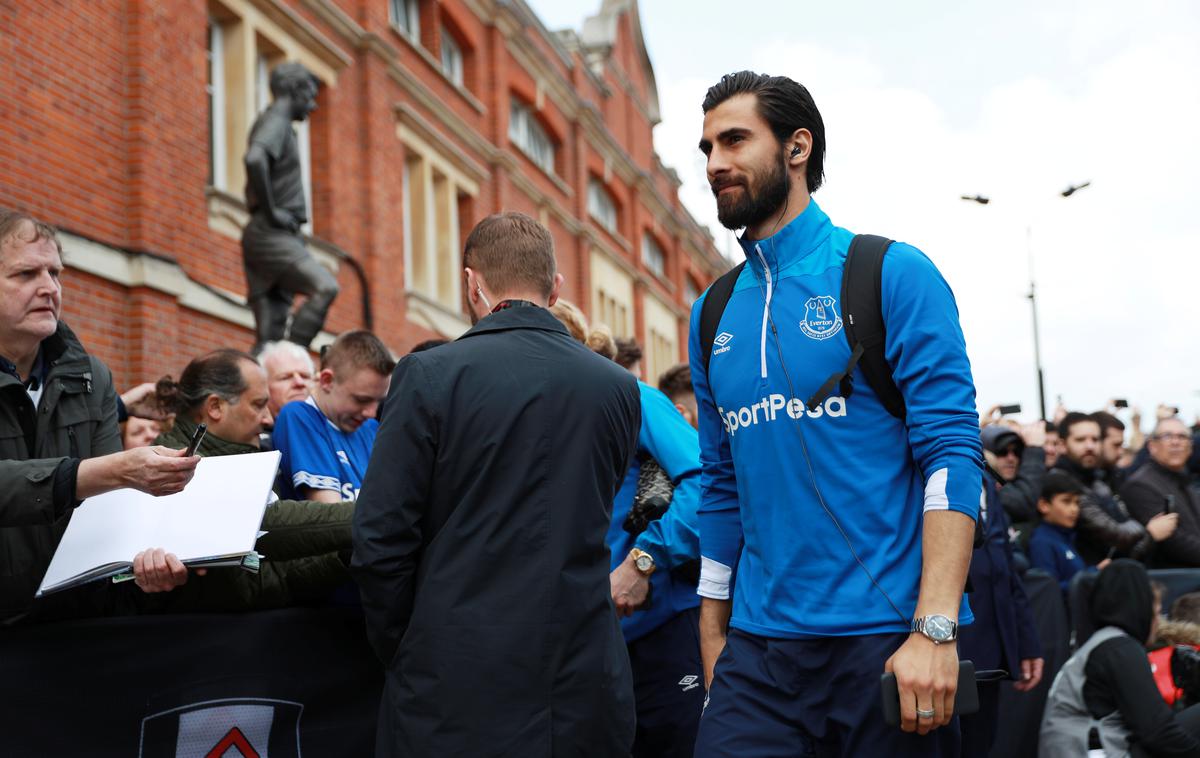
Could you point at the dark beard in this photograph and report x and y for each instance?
(755, 203)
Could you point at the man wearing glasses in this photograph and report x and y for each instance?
(1162, 486)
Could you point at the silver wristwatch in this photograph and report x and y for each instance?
(936, 627)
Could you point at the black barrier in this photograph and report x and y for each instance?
(295, 682)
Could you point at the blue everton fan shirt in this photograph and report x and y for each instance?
(759, 512)
(318, 455)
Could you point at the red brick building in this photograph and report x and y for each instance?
(124, 124)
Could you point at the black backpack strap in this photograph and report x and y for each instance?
(862, 320)
(714, 307)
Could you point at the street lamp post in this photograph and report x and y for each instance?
(1037, 342)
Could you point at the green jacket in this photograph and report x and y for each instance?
(301, 561)
(40, 449)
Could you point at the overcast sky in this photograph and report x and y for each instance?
(925, 101)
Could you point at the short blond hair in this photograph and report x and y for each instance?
(598, 339)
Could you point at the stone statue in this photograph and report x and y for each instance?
(278, 265)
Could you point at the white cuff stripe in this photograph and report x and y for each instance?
(714, 579)
(316, 481)
(935, 491)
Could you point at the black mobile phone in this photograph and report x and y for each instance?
(1120, 403)
(195, 441)
(1006, 410)
(966, 699)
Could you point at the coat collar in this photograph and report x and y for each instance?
(60, 352)
(517, 318)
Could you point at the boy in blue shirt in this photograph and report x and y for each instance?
(1052, 546)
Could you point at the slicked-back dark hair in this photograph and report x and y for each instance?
(217, 373)
(785, 105)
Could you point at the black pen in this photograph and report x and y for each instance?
(196, 437)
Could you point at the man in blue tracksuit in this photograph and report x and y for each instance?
(655, 595)
(835, 540)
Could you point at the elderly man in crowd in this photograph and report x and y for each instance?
(290, 373)
(1162, 486)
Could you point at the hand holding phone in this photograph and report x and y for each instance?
(966, 698)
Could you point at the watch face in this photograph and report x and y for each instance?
(939, 628)
(644, 563)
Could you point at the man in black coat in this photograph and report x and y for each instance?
(479, 533)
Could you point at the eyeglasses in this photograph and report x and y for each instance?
(1173, 437)
(1009, 451)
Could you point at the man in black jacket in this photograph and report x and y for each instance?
(1105, 529)
(59, 440)
(1161, 486)
(479, 533)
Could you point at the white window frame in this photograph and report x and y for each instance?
(218, 155)
(653, 255)
(406, 17)
(527, 133)
(452, 58)
(601, 205)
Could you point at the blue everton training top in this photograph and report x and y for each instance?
(759, 512)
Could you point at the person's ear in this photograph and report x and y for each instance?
(799, 147)
(214, 408)
(1043, 505)
(558, 280)
(471, 283)
(325, 379)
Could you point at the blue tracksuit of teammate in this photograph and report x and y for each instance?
(672, 540)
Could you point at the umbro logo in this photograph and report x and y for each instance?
(722, 342)
(689, 682)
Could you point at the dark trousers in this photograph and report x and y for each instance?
(279, 267)
(668, 685)
(979, 729)
(776, 698)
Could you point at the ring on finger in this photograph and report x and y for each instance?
(925, 714)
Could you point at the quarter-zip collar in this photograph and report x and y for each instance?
(769, 257)
(803, 235)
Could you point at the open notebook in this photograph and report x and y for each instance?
(213, 522)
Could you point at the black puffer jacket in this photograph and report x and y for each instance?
(1105, 528)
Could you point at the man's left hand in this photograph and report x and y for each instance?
(927, 677)
(159, 571)
(630, 587)
(1031, 674)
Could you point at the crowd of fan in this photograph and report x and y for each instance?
(1087, 506)
(1102, 514)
